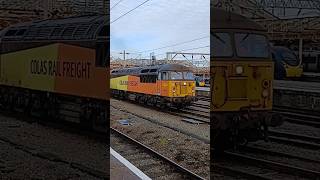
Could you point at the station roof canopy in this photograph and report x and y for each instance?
(283, 19)
(221, 19)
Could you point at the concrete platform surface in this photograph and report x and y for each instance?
(122, 169)
(202, 88)
(297, 86)
(310, 74)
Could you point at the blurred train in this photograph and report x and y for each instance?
(241, 81)
(57, 69)
(161, 85)
(311, 61)
(200, 82)
(286, 63)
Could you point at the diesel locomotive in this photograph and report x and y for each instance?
(161, 85)
(241, 80)
(57, 69)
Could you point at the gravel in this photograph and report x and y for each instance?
(201, 131)
(17, 164)
(190, 152)
(41, 152)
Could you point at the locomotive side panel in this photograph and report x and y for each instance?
(78, 75)
(119, 83)
(26, 69)
(58, 68)
(165, 88)
(135, 85)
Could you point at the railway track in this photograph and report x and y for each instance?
(185, 132)
(204, 98)
(262, 162)
(253, 166)
(298, 140)
(297, 116)
(197, 111)
(272, 152)
(152, 163)
(201, 105)
(188, 113)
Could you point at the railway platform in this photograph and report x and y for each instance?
(313, 87)
(120, 168)
(311, 74)
(297, 95)
(289, 94)
(203, 91)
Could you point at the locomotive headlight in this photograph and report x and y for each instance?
(184, 83)
(265, 93)
(265, 84)
(239, 69)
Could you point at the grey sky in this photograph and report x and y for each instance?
(159, 23)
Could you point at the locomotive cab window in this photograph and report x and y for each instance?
(21, 32)
(251, 45)
(11, 33)
(148, 78)
(188, 76)
(101, 54)
(221, 45)
(164, 76)
(145, 71)
(176, 75)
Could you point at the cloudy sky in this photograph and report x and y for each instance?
(159, 23)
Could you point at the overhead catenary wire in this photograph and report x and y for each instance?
(172, 45)
(129, 11)
(116, 4)
(177, 44)
(183, 50)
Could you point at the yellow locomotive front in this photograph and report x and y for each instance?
(242, 78)
(177, 85)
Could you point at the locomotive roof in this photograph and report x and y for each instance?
(78, 27)
(150, 70)
(221, 19)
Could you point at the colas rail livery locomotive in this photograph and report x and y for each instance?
(162, 85)
(57, 69)
(241, 80)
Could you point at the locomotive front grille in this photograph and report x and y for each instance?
(184, 89)
(237, 88)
